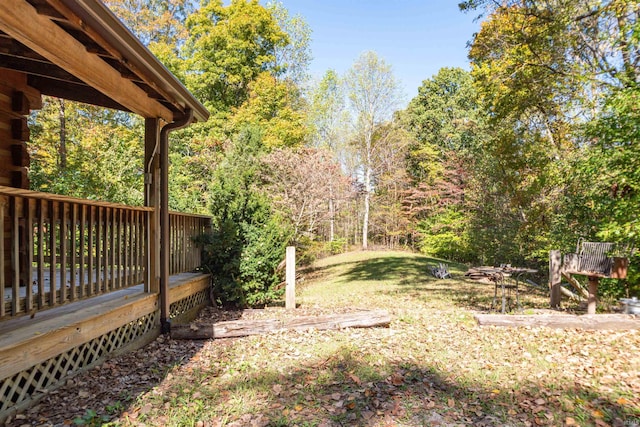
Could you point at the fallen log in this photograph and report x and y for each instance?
(240, 328)
(562, 321)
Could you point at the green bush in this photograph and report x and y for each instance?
(337, 246)
(248, 241)
(443, 236)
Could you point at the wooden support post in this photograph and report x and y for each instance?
(555, 277)
(291, 278)
(593, 292)
(152, 198)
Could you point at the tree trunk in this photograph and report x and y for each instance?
(240, 328)
(62, 147)
(367, 199)
(555, 268)
(332, 215)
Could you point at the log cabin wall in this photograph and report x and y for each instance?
(17, 99)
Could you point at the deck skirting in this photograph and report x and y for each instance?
(38, 356)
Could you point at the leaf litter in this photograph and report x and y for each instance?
(432, 366)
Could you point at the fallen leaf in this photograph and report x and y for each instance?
(623, 401)
(354, 378)
(397, 379)
(451, 403)
(570, 422)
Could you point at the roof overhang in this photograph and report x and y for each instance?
(79, 50)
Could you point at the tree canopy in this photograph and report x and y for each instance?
(533, 147)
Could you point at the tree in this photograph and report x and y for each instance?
(292, 59)
(248, 239)
(227, 48)
(87, 152)
(555, 77)
(328, 119)
(389, 220)
(274, 106)
(299, 183)
(159, 24)
(373, 94)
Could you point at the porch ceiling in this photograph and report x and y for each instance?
(78, 50)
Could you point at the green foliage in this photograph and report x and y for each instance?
(275, 107)
(91, 418)
(293, 59)
(227, 48)
(248, 241)
(97, 156)
(445, 111)
(445, 235)
(337, 246)
(613, 167)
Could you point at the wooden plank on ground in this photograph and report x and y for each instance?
(562, 321)
(239, 328)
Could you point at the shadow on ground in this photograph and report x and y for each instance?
(413, 276)
(345, 390)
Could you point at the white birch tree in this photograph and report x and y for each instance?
(374, 95)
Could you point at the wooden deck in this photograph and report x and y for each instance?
(40, 351)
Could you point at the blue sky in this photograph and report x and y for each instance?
(417, 37)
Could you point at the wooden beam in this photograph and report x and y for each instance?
(20, 20)
(73, 19)
(562, 321)
(576, 285)
(189, 285)
(592, 300)
(240, 328)
(73, 91)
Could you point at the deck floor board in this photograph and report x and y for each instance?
(17, 329)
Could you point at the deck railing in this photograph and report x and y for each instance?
(186, 253)
(56, 249)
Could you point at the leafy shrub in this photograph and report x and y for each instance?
(337, 246)
(443, 236)
(248, 241)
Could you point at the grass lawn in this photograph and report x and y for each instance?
(432, 366)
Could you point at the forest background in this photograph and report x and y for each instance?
(536, 146)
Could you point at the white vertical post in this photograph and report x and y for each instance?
(290, 293)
